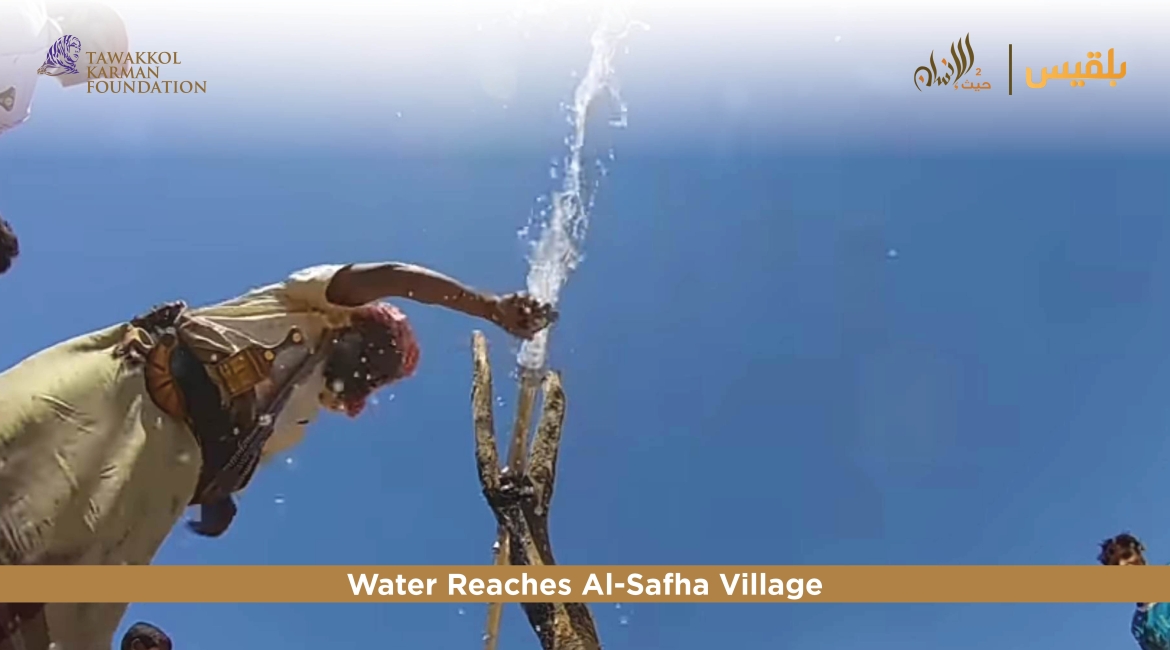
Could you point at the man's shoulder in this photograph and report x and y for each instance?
(303, 288)
(307, 279)
(316, 273)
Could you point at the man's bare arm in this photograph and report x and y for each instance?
(359, 284)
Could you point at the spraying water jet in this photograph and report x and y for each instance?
(555, 252)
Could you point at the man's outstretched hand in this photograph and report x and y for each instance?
(521, 315)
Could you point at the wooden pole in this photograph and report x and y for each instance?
(517, 459)
(520, 498)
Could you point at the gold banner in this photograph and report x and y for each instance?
(591, 584)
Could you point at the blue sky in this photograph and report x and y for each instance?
(752, 378)
(770, 358)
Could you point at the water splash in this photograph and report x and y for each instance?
(563, 222)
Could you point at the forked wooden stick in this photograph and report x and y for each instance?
(517, 459)
(519, 496)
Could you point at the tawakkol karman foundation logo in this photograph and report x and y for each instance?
(122, 73)
(62, 57)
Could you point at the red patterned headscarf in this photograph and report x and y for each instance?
(384, 351)
(392, 318)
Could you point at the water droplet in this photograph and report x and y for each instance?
(265, 420)
(892, 253)
(279, 500)
(183, 458)
(500, 401)
(288, 461)
(496, 545)
(337, 386)
(461, 612)
(398, 114)
(624, 620)
(390, 397)
(836, 39)
(617, 606)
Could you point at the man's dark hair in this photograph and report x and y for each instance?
(9, 246)
(144, 636)
(364, 357)
(1122, 547)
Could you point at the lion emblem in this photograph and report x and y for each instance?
(62, 57)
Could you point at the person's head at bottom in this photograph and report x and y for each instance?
(9, 246)
(378, 348)
(1122, 550)
(144, 636)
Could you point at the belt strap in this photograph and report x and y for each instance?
(229, 458)
(212, 423)
(244, 461)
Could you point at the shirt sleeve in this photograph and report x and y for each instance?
(302, 291)
(1137, 627)
(307, 287)
(1151, 627)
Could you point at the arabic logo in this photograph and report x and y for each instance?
(963, 59)
(62, 57)
(8, 99)
(1077, 77)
